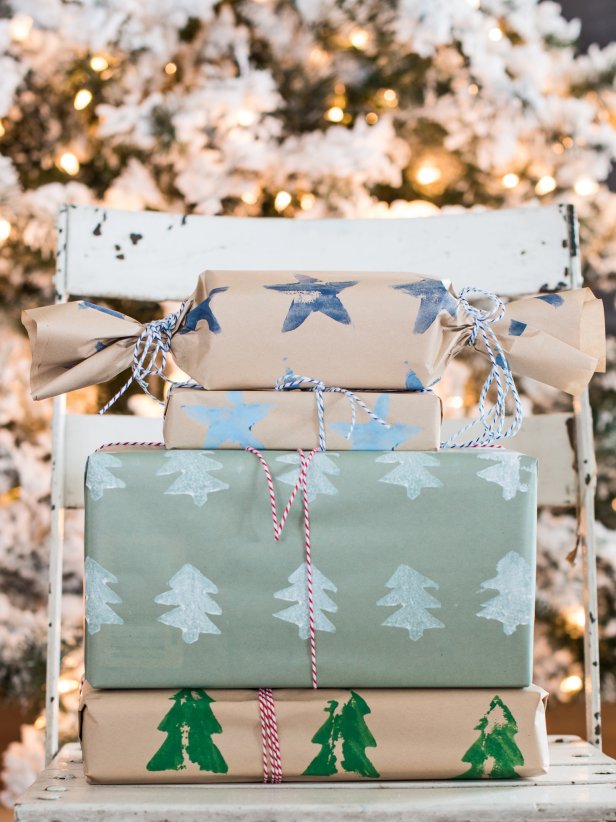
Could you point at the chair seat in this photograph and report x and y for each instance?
(580, 785)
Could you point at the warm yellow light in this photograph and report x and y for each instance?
(495, 34)
(171, 68)
(307, 201)
(571, 684)
(2, 129)
(249, 197)
(245, 117)
(372, 118)
(334, 114)
(5, 229)
(67, 686)
(473, 89)
(567, 141)
(339, 88)
(83, 98)
(98, 63)
(474, 3)
(282, 200)
(586, 186)
(20, 27)
(510, 180)
(558, 148)
(39, 723)
(390, 97)
(428, 174)
(318, 57)
(546, 184)
(69, 163)
(359, 38)
(575, 617)
(455, 401)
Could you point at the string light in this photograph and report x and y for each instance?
(510, 180)
(282, 200)
(307, 201)
(474, 4)
(67, 686)
(82, 100)
(69, 163)
(98, 63)
(339, 89)
(571, 684)
(567, 141)
(170, 68)
(39, 723)
(245, 117)
(334, 114)
(20, 27)
(586, 186)
(2, 129)
(427, 174)
(575, 619)
(495, 34)
(390, 97)
(359, 39)
(249, 197)
(372, 118)
(558, 148)
(546, 184)
(5, 230)
(455, 401)
(473, 89)
(318, 57)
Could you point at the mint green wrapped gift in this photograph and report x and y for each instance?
(421, 568)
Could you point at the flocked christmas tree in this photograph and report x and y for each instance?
(190, 591)
(99, 597)
(344, 736)
(99, 475)
(412, 472)
(494, 753)
(409, 590)
(297, 592)
(514, 604)
(189, 725)
(320, 469)
(195, 480)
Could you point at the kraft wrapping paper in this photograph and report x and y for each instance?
(423, 569)
(288, 420)
(244, 330)
(199, 735)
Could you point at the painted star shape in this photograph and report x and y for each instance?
(233, 424)
(203, 311)
(372, 436)
(313, 296)
(435, 297)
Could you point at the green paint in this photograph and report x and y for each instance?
(495, 746)
(349, 726)
(189, 726)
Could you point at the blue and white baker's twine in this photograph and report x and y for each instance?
(492, 418)
(150, 356)
(290, 381)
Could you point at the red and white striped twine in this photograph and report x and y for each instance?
(301, 484)
(131, 445)
(272, 762)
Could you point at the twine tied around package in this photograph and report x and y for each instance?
(300, 485)
(491, 418)
(291, 381)
(272, 762)
(150, 356)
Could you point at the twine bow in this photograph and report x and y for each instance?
(150, 356)
(291, 381)
(491, 417)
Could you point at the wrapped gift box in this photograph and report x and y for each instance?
(198, 735)
(195, 418)
(423, 569)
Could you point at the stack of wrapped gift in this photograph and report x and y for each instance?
(302, 586)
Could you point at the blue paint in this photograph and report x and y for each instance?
(502, 362)
(313, 296)
(435, 297)
(85, 304)
(516, 328)
(554, 300)
(232, 424)
(412, 382)
(203, 311)
(371, 436)
(100, 346)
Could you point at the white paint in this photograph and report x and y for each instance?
(515, 601)
(412, 471)
(408, 589)
(320, 467)
(507, 472)
(98, 597)
(190, 591)
(99, 477)
(298, 592)
(194, 479)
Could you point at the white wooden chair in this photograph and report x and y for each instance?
(154, 256)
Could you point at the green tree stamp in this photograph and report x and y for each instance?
(345, 725)
(189, 725)
(494, 753)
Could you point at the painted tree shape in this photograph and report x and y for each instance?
(412, 472)
(349, 727)
(189, 725)
(515, 601)
(409, 591)
(190, 591)
(98, 597)
(98, 474)
(194, 479)
(494, 753)
(507, 473)
(320, 467)
(298, 614)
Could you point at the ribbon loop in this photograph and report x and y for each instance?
(491, 418)
(290, 381)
